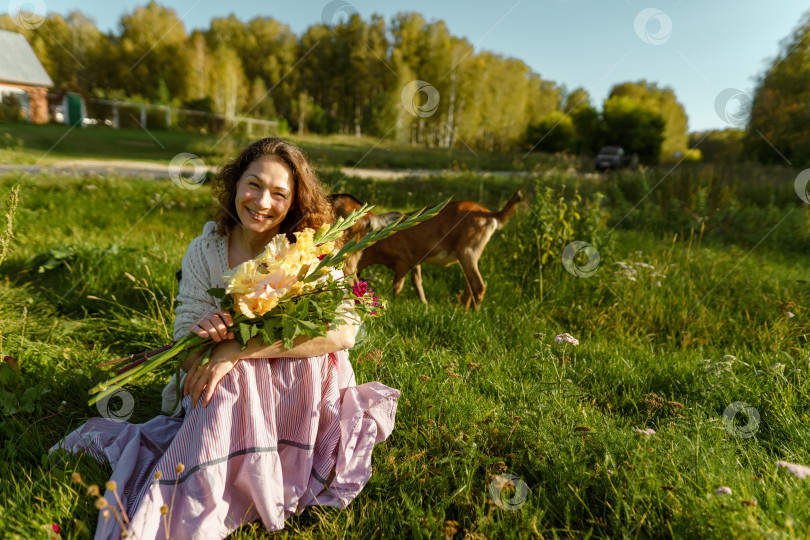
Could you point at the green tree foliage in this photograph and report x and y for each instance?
(780, 115)
(634, 127)
(486, 100)
(267, 51)
(152, 47)
(226, 82)
(552, 133)
(199, 67)
(588, 130)
(577, 99)
(717, 146)
(344, 78)
(661, 101)
(260, 102)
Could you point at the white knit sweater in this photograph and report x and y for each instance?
(204, 263)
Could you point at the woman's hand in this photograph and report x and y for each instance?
(205, 379)
(214, 325)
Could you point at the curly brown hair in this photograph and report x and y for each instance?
(310, 207)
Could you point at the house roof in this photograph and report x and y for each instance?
(19, 63)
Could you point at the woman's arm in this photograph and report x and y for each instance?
(303, 347)
(227, 353)
(193, 300)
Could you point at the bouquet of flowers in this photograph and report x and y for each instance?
(287, 291)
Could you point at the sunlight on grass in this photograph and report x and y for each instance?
(674, 327)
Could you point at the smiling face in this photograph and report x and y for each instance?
(268, 163)
(264, 195)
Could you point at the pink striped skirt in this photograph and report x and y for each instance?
(277, 436)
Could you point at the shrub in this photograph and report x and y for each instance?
(541, 232)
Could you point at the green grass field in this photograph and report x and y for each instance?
(28, 143)
(484, 393)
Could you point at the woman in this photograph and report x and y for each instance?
(266, 431)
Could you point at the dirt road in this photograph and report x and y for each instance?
(99, 167)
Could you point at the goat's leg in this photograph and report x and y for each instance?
(416, 277)
(475, 283)
(399, 279)
(467, 297)
(352, 266)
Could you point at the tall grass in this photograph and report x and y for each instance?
(484, 393)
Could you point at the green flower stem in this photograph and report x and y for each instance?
(106, 388)
(186, 344)
(332, 234)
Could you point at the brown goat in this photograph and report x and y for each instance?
(457, 234)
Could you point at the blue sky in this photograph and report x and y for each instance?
(699, 49)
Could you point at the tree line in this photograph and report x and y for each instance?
(778, 128)
(352, 77)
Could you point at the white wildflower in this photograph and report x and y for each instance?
(799, 471)
(568, 338)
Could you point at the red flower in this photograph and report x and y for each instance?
(56, 528)
(360, 289)
(11, 363)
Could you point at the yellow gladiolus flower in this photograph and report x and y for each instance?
(257, 285)
(277, 280)
(244, 278)
(303, 241)
(265, 294)
(246, 305)
(265, 304)
(275, 251)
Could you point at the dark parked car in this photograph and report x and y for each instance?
(613, 157)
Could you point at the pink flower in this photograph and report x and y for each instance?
(723, 490)
(360, 289)
(799, 471)
(568, 338)
(362, 292)
(648, 431)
